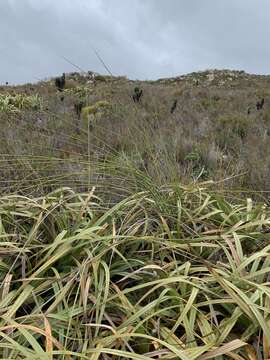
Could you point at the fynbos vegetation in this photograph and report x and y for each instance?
(137, 94)
(135, 223)
(14, 103)
(60, 82)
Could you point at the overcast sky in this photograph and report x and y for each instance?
(143, 39)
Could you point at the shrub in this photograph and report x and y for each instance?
(102, 78)
(237, 124)
(99, 107)
(16, 102)
(193, 156)
(79, 91)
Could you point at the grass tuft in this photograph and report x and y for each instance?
(175, 273)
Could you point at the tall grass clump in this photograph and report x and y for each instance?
(16, 102)
(169, 272)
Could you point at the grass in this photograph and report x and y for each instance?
(14, 103)
(210, 120)
(140, 235)
(169, 273)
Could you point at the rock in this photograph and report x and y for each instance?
(210, 77)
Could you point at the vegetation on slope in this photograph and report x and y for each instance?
(115, 244)
(210, 134)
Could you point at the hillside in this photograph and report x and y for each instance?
(117, 241)
(210, 134)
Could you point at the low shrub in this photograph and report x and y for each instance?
(238, 125)
(17, 102)
(98, 107)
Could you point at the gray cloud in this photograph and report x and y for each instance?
(144, 39)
